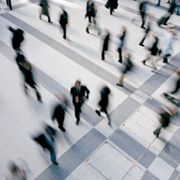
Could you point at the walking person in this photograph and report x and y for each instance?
(147, 31)
(165, 118)
(28, 76)
(9, 4)
(113, 4)
(63, 21)
(122, 42)
(127, 67)
(91, 11)
(142, 10)
(46, 141)
(44, 10)
(103, 103)
(59, 112)
(153, 52)
(17, 39)
(79, 94)
(105, 44)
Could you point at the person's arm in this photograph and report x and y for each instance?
(11, 29)
(87, 92)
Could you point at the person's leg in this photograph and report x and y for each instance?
(111, 11)
(53, 155)
(154, 64)
(77, 113)
(166, 20)
(159, 3)
(49, 19)
(143, 39)
(37, 94)
(120, 55)
(157, 132)
(143, 19)
(64, 31)
(176, 89)
(103, 54)
(105, 110)
(178, 9)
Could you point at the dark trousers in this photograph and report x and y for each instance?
(77, 108)
(166, 20)
(64, 31)
(143, 17)
(120, 54)
(143, 39)
(9, 4)
(105, 111)
(103, 54)
(176, 89)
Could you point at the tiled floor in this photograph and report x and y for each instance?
(127, 150)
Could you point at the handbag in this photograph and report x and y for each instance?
(107, 5)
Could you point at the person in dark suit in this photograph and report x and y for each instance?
(63, 21)
(79, 95)
(46, 141)
(59, 113)
(28, 76)
(170, 11)
(146, 34)
(113, 4)
(122, 42)
(105, 44)
(9, 4)
(103, 103)
(17, 38)
(142, 9)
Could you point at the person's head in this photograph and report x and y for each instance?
(77, 83)
(107, 31)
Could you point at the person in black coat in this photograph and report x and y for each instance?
(63, 21)
(113, 4)
(146, 34)
(105, 44)
(27, 72)
(17, 39)
(79, 95)
(122, 42)
(103, 103)
(59, 113)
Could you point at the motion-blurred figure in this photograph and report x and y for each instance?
(9, 4)
(17, 38)
(27, 72)
(105, 44)
(142, 10)
(44, 10)
(153, 52)
(165, 118)
(91, 11)
(59, 112)
(113, 4)
(127, 67)
(122, 42)
(146, 34)
(17, 173)
(79, 94)
(63, 21)
(46, 141)
(104, 101)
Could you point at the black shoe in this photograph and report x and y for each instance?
(141, 44)
(119, 84)
(39, 98)
(98, 112)
(120, 61)
(56, 163)
(109, 123)
(77, 122)
(165, 61)
(87, 30)
(144, 62)
(62, 129)
(156, 134)
(143, 27)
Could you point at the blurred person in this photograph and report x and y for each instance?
(165, 118)
(59, 112)
(146, 34)
(103, 103)
(28, 76)
(122, 42)
(105, 44)
(79, 94)
(44, 10)
(17, 173)
(177, 87)
(142, 10)
(113, 4)
(91, 11)
(17, 38)
(63, 21)
(128, 65)
(46, 141)
(153, 52)
(9, 4)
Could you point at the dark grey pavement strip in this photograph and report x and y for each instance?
(133, 148)
(174, 175)
(82, 61)
(124, 110)
(149, 176)
(71, 159)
